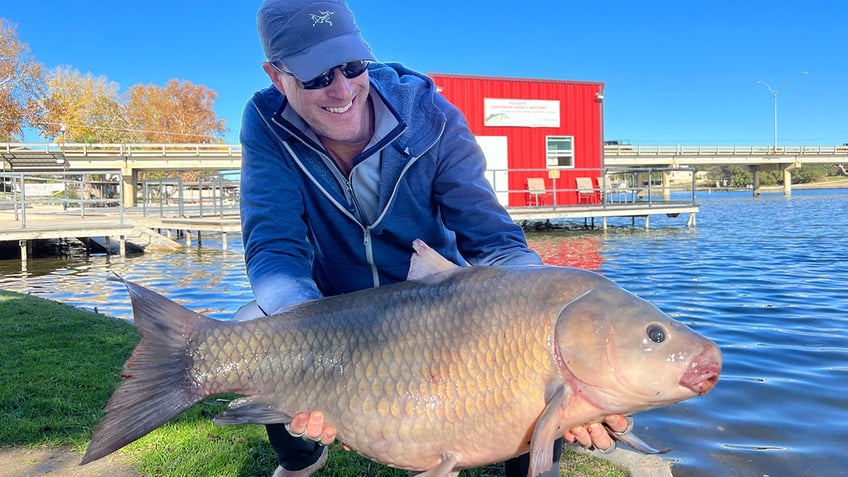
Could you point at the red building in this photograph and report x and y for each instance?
(533, 129)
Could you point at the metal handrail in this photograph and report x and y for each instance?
(23, 182)
(211, 195)
(624, 189)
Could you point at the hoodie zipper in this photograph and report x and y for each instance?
(367, 242)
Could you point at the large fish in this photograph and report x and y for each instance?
(458, 369)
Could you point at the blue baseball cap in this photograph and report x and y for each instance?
(308, 37)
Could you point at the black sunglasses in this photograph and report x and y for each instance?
(351, 69)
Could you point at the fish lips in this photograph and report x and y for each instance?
(703, 372)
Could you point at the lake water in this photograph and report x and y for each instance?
(766, 278)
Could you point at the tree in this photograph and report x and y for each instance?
(740, 176)
(21, 84)
(811, 173)
(179, 112)
(87, 107)
(771, 177)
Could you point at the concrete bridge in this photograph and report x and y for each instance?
(755, 157)
(132, 158)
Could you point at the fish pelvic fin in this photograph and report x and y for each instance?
(252, 410)
(545, 433)
(636, 443)
(156, 385)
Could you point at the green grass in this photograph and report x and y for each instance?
(60, 365)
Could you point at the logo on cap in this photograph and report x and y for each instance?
(324, 17)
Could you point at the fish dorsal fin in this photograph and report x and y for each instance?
(426, 262)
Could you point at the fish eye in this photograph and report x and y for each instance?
(656, 333)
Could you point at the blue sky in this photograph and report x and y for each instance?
(676, 72)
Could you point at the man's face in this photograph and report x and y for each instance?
(339, 111)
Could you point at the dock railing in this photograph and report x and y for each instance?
(76, 193)
(214, 196)
(599, 187)
(211, 195)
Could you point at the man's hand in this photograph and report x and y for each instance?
(311, 426)
(596, 434)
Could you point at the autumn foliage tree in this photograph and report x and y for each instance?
(65, 105)
(179, 112)
(21, 84)
(87, 107)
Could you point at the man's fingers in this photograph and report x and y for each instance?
(618, 422)
(297, 426)
(311, 426)
(315, 426)
(328, 435)
(579, 434)
(599, 436)
(596, 435)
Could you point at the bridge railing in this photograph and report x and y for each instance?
(124, 150)
(190, 150)
(682, 150)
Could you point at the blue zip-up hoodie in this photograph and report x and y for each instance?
(303, 237)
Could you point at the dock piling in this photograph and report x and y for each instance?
(24, 244)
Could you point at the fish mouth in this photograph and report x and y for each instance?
(703, 372)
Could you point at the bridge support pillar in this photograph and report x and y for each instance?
(666, 185)
(129, 185)
(756, 181)
(787, 180)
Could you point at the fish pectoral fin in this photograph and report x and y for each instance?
(251, 410)
(426, 263)
(444, 468)
(545, 433)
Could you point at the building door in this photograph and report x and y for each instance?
(495, 150)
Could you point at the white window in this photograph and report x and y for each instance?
(560, 152)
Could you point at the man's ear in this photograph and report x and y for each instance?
(275, 75)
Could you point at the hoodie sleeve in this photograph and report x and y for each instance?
(485, 233)
(277, 254)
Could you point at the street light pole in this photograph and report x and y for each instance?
(774, 93)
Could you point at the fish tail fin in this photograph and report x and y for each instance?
(157, 385)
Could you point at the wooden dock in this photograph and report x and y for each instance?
(105, 228)
(155, 233)
(220, 224)
(643, 210)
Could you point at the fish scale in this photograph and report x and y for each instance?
(460, 369)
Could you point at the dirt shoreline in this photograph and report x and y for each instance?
(64, 461)
(840, 184)
(837, 184)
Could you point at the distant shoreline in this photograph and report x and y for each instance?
(838, 184)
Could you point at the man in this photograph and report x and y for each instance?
(344, 163)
